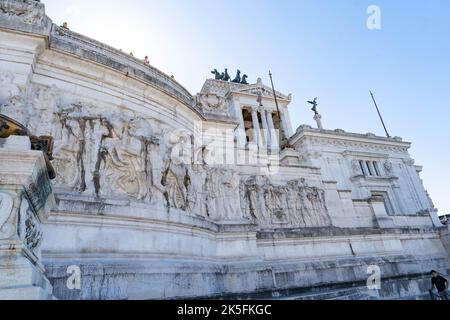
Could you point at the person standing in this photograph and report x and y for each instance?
(440, 283)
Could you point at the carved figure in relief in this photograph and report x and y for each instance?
(96, 130)
(12, 102)
(67, 151)
(295, 207)
(197, 190)
(227, 200)
(45, 102)
(294, 203)
(256, 192)
(212, 194)
(156, 160)
(175, 174)
(276, 204)
(120, 166)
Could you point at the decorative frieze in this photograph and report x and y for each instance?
(29, 229)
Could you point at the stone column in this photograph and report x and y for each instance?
(283, 124)
(256, 129)
(241, 137)
(25, 198)
(272, 133)
(270, 120)
(265, 134)
(286, 123)
(318, 119)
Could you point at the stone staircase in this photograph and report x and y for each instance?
(357, 293)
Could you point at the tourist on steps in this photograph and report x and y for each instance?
(440, 283)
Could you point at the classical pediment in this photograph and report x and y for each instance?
(224, 88)
(255, 89)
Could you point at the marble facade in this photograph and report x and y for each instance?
(164, 194)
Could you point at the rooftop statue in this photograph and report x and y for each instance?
(225, 75)
(237, 79)
(216, 74)
(259, 98)
(314, 104)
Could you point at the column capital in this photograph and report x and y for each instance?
(254, 108)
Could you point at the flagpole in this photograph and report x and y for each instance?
(379, 114)
(282, 135)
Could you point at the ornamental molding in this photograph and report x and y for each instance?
(360, 145)
(362, 154)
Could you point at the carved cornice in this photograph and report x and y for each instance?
(369, 180)
(340, 138)
(359, 154)
(374, 144)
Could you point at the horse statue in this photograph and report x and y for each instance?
(226, 76)
(244, 79)
(216, 74)
(238, 77)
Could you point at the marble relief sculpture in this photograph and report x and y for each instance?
(117, 153)
(29, 226)
(12, 98)
(212, 103)
(293, 203)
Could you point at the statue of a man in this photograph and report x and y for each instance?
(259, 99)
(314, 104)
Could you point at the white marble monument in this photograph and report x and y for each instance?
(163, 194)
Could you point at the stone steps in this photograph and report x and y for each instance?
(357, 293)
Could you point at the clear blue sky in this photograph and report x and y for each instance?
(315, 48)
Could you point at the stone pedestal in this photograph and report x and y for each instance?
(289, 157)
(318, 119)
(25, 199)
